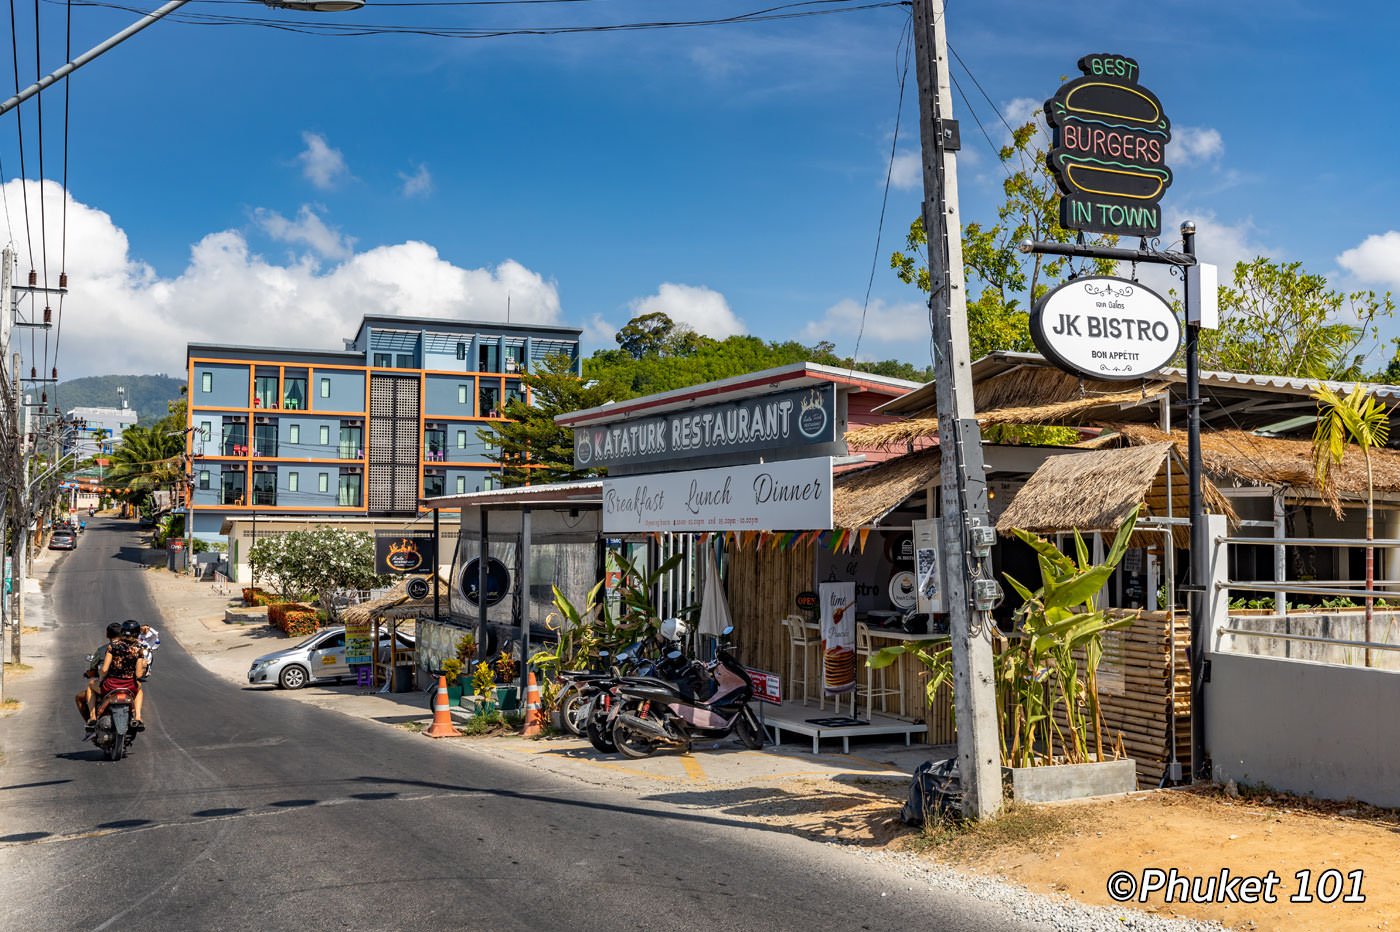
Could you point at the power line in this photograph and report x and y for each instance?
(988, 98)
(906, 39)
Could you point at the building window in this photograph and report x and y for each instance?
(434, 486)
(462, 394)
(294, 433)
(293, 481)
(513, 355)
(436, 442)
(461, 439)
(461, 350)
(204, 478)
(461, 485)
(488, 401)
(206, 430)
(486, 484)
(348, 495)
(405, 360)
(323, 482)
(294, 393)
(384, 360)
(351, 443)
(325, 388)
(235, 440)
(265, 391)
(206, 381)
(231, 488)
(325, 435)
(264, 488)
(264, 439)
(489, 358)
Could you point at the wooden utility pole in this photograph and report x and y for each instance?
(964, 481)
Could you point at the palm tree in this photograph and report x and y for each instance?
(148, 458)
(1360, 418)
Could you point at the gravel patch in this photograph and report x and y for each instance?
(1059, 913)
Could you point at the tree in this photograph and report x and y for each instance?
(1362, 419)
(646, 335)
(1008, 282)
(318, 563)
(1277, 319)
(148, 459)
(530, 447)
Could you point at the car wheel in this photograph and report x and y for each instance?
(293, 677)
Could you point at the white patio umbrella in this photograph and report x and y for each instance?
(714, 608)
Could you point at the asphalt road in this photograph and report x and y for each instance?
(241, 809)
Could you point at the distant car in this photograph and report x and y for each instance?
(318, 658)
(63, 540)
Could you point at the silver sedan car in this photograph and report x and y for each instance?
(317, 659)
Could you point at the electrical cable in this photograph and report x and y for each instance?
(906, 39)
(63, 236)
(23, 183)
(43, 212)
(995, 150)
(985, 95)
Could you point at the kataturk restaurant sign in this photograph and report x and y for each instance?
(1109, 149)
(796, 418)
(1105, 328)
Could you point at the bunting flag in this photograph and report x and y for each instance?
(864, 534)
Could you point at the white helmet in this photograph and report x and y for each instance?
(673, 629)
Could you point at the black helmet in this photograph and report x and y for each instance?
(114, 629)
(131, 629)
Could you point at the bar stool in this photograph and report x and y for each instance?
(865, 649)
(802, 639)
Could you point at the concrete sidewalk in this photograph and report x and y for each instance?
(193, 613)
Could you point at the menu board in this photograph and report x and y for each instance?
(359, 642)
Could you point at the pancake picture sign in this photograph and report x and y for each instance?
(1104, 327)
(1108, 152)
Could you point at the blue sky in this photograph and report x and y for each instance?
(246, 184)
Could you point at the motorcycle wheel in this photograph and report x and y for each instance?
(572, 710)
(749, 734)
(630, 743)
(117, 749)
(595, 729)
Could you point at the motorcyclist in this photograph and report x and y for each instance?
(122, 668)
(150, 643)
(91, 511)
(87, 699)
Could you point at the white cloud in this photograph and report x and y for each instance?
(322, 165)
(907, 173)
(897, 331)
(701, 309)
(120, 316)
(1021, 110)
(1376, 260)
(1194, 145)
(307, 228)
(420, 183)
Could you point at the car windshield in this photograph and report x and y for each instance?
(313, 640)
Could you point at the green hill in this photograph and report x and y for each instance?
(148, 394)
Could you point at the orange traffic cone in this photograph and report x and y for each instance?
(442, 719)
(534, 721)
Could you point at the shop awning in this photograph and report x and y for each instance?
(1095, 491)
(397, 605)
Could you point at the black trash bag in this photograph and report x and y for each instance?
(934, 793)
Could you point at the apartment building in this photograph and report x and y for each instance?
(363, 432)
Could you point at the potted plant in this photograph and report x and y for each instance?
(466, 654)
(484, 688)
(507, 695)
(452, 672)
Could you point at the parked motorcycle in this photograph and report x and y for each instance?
(706, 702)
(113, 733)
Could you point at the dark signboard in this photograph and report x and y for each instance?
(418, 588)
(497, 581)
(808, 600)
(802, 417)
(403, 552)
(1109, 149)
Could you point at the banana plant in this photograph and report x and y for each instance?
(1037, 668)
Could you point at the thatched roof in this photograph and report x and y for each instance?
(1095, 491)
(1250, 458)
(865, 495)
(396, 604)
(1067, 411)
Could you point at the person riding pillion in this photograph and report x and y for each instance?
(122, 668)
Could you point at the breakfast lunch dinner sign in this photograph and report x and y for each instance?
(791, 495)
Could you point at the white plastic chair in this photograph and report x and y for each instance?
(865, 648)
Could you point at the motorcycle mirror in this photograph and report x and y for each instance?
(728, 630)
(674, 655)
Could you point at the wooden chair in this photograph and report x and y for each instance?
(802, 640)
(865, 649)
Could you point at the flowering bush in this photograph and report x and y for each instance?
(316, 562)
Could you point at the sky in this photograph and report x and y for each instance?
(241, 181)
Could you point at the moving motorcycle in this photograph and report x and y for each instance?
(113, 733)
(706, 701)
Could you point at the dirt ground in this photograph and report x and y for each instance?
(1073, 849)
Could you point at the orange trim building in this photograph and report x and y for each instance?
(366, 431)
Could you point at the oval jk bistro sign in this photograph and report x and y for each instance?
(1105, 328)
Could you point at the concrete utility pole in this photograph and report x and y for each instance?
(964, 479)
